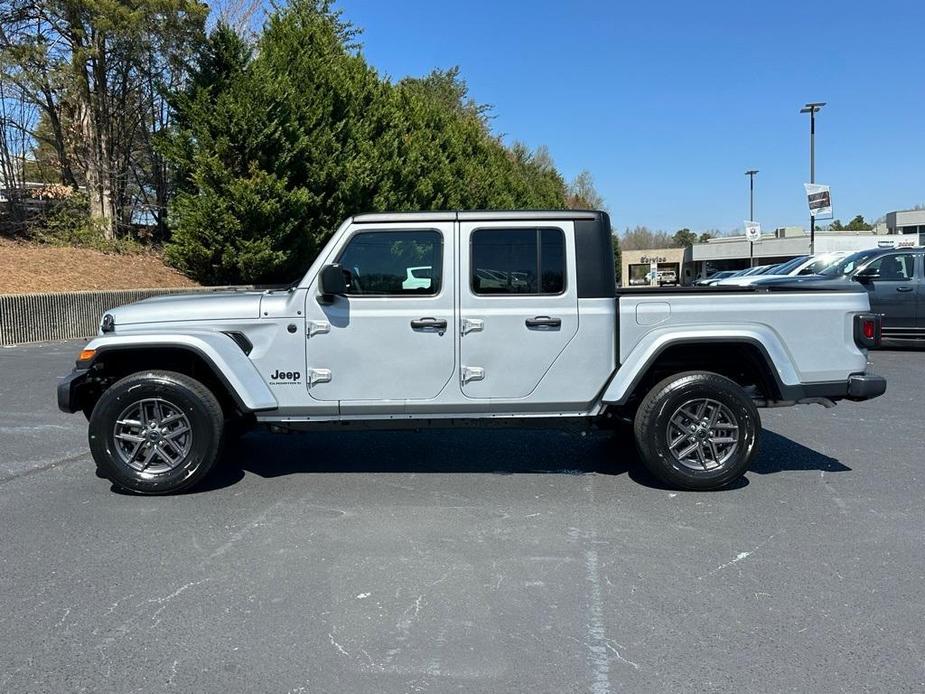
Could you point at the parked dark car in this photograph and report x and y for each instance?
(895, 282)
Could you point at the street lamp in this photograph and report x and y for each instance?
(811, 109)
(751, 212)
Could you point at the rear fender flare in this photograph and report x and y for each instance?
(644, 354)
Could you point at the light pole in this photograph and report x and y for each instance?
(751, 212)
(811, 108)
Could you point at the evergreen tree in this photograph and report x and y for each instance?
(274, 148)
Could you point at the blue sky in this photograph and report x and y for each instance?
(669, 103)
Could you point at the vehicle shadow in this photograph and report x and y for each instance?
(780, 454)
(476, 451)
(473, 451)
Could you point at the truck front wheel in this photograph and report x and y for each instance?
(697, 430)
(156, 432)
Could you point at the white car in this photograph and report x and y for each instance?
(417, 277)
(667, 277)
(802, 265)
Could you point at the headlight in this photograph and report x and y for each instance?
(109, 324)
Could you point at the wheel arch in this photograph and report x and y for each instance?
(217, 361)
(743, 358)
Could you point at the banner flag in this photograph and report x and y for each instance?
(819, 199)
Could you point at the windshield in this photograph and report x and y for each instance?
(821, 263)
(849, 264)
(790, 265)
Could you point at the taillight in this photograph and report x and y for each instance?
(867, 329)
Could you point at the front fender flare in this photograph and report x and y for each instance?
(222, 354)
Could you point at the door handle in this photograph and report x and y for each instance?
(437, 325)
(544, 322)
(904, 289)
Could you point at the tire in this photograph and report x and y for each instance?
(671, 409)
(163, 459)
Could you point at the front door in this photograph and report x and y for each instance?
(518, 304)
(392, 337)
(893, 293)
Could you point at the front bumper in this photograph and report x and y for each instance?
(68, 390)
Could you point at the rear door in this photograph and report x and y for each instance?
(518, 304)
(893, 293)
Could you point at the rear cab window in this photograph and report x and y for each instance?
(522, 260)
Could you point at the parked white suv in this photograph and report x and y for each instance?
(802, 265)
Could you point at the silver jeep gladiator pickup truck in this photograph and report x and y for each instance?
(466, 318)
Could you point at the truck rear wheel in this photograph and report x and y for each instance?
(697, 430)
(156, 432)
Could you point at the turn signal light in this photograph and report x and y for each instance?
(86, 355)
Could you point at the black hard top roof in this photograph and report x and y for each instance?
(476, 215)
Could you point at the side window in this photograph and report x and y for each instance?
(394, 263)
(899, 267)
(517, 261)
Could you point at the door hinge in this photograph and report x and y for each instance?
(316, 376)
(472, 373)
(471, 325)
(317, 327)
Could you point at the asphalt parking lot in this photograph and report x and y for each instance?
(475, 561)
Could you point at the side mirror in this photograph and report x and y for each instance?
(331, 283)
(867, 274)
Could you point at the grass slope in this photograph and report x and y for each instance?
(26, 268)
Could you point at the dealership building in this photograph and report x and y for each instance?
(907, 223)
(669, 266)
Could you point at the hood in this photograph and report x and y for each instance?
(742, 281)
(189, 307)
(745, 281)
(814, 281)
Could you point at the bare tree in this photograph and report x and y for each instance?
(88, 69)
(245, 17)
(582, 195)
(642, 238)
(15, 142)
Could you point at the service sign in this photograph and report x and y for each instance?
(752, 230)
(819, 199)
